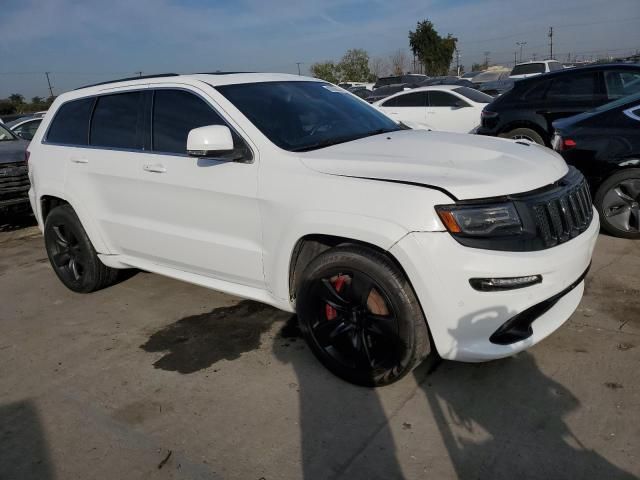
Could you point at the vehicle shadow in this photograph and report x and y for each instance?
(337, 420)
(12, 221)
(505, 419)
(23, 444)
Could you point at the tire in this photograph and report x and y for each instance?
(360, 316)
(618, 203)
(524, 134)
(72, 256)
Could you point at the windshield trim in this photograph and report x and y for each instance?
(12, 135)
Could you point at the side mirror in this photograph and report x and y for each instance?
(204, 141)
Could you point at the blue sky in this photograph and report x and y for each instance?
(85, 41)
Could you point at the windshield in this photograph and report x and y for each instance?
(528, 69)
(474, 95)
(302, 116)
(6, 135)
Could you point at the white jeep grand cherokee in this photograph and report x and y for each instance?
(290, 191)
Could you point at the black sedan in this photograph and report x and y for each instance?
(605, 145)
(528, 110)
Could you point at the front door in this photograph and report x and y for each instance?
(154, 202)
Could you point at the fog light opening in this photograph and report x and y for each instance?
(510, 283)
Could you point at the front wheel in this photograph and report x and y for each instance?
(360, 316)
(618, 203)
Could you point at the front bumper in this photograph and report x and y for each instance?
(462, 319)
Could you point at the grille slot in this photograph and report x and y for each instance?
(562, 218)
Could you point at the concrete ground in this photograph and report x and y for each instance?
(155, 378)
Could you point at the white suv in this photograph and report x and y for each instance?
(387, 242)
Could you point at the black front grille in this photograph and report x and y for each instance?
(566, 216)
(14, 181)
(550, 216)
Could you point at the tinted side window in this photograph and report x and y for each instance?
(175, 113)
(417, 99)
(538, 91)
(28, 130)
(577, 88)
(116, 121)
(442, 99)
(554, 66)
(621, 83)
(71, 123)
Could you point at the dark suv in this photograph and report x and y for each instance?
(528, 110)
(14, 181)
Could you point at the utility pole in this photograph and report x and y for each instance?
(521, 44)
(298, 64)
(457, 62)
(515, 58)
(49, 82)
(534, 56)
(486, 59)
(138, 73)
(550, 43)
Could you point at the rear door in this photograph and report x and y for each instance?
(569, 95)
(408, 107)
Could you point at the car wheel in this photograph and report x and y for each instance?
(524, 134)
(72, 256)
(618, 203)
(360, 316)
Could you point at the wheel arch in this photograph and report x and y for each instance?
(48, 201)
(526, 124)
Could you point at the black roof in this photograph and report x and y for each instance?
(570, 71)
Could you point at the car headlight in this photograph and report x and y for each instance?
(480, 220)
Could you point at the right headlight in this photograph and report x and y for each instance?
(481, 220)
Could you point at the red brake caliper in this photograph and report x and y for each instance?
(338, 283)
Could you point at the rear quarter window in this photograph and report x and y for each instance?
(70, 125)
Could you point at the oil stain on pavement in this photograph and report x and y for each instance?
(198, 341)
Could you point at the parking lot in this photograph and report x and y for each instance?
(154, 378)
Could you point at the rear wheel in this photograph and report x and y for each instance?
(360, 316)
(618, 203)
(524, 134)
(72, 256)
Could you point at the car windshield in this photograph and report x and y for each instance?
(474, 95)
(528, 69)
(303, 116)
(6, 135)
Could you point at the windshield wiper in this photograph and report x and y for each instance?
(335, 141)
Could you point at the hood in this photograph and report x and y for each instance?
(466, 166)
(12, 150)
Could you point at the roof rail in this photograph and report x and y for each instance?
(218, 72)
(141, 77)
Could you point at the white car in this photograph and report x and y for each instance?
(531, 69)
(25, 127)
(445, 108)
(293, 192)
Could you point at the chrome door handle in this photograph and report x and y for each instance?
(79, 160)
(155, 168)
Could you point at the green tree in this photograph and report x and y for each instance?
(476, 67)
(16, 98)
(326, 71)
(433, 51)
(7, 107)
(354, 66)
(36, 100)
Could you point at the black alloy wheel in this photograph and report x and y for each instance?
(618, 202)
(360, 317)
(72, 256)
